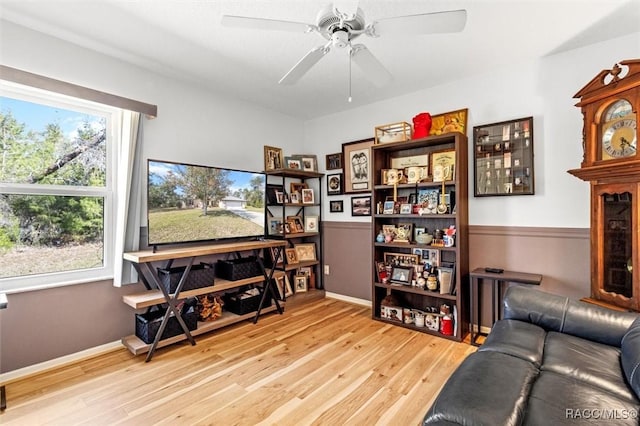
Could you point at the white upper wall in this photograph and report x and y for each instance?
(194, 124)
(543, 90)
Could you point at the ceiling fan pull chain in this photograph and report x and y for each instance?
(350, 60)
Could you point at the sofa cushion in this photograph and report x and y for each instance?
(630, 355)
(557, 399)
(487, 388)
(517, 338)
(594, 364)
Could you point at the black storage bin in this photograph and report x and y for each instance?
(200, 275)
(148, 324)
(238, 269)
(243, 303)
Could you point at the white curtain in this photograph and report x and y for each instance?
(128, 197)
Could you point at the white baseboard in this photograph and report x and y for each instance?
(42, 367)
(348, 299)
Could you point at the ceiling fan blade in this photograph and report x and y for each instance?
(427, 23)
(372, 68)
(304, 65)
(266, 24)
(348, 7)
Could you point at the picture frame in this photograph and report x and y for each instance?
(291, 255)
(273, 158)
(445, 278)
(279, 197)
(402, 275)
(293, 163)
(334, 161)
(276, 260)
(276, 225)
(357, 166)
(300, 283)
(306, 252)
(296, 224)
(271, 193)
(452, 121)
(311, 224)
(336, 206)
(418, 231)
(295, 198)
(284, 286)
(388, 207)
(308, 272)
(297, 186)
(334, 184)
(405, 208)
(361, 206)
(309, 163)
(307, 196)
(401, 259)
(443, 165)
(431, 257)
(503, 162)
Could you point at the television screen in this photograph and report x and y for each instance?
(190, 203)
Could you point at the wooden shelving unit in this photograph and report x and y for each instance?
(412, 296)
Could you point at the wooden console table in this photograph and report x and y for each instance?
(478, 276)
(156, 294)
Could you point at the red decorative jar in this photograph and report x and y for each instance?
(421, 125)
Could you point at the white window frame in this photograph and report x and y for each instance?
(113, 124)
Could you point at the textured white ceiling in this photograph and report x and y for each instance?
(184, 39)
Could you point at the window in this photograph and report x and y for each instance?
(56, 189)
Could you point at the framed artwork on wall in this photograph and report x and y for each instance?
(357, 166)
(503, 158)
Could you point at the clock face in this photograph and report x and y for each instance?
(619, 131)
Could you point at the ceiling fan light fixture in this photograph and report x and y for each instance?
(340, 38)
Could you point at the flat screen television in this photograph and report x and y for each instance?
(189, 203)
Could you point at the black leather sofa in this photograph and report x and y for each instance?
(550, 361)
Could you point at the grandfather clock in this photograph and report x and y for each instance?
(611, 164)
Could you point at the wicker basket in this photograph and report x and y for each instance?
(238, 269)
(148, 324)
(245, 302)
(201, 275)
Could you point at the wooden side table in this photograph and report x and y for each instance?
(3, 392)
(478, 276)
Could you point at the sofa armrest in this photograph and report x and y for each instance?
(559, 313)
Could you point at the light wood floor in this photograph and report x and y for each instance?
(324, 363)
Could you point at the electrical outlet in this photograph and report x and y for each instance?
(326, 269)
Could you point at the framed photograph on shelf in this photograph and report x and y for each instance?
(334, 161)
(293, 163)
(401, 259)
(297, 186)
(357, 166)
(291, 256)
(276, 225)
(271, 193)
(503, 158)
(336, 206)
(311, 224)
(307, 196)
(300, 283)
(334, 184)
(284, 286)
(306, 252)
(361, 206)
(295, 198)
(388, 207)
(276, 258)
(309, 164)
(402, 275)
(273, 159)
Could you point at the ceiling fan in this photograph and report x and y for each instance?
(340, 29)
